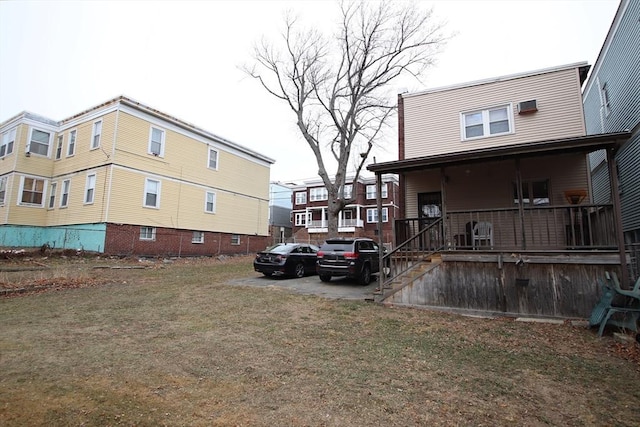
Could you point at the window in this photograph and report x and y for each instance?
(484, 123)
(348, 191)
(604, 99)
(301, 198)
(3, 189)
(156, 142)
(32, 191)
(39, 142)
(536, 190)
(59, 147)
(64, 195)
(151, 193)
(371, 191)
(301, 219)
(235, 239)
(147, 233)
(198, 237)
(90, 188)
(213, 159)
(210, 202)
(6, 144)
(71, 148)
(372, 215)
(52, 195)
(317, 194)
(97, 131)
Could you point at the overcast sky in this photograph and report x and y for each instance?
(59, 58)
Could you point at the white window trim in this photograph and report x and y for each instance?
(485, 122)
(53, 188)
(5, 180)
(211, 149)
(43, 203)
(144, 194)
(374, 214)
(235, 240)
(199, 239)
(384, 190)
(8, 137)
(301, 198)
(301, 219)
(206, 201)
(87, 188)
(153, 233)
(71, 148)
(59, 146)
(28, 148)
(162, 139)
(62, 193)
(605, 101)
(348, 194)
(94, 145)
(318, 194)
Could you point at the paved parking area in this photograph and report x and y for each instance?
(338, 288)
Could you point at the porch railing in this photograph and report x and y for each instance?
(409, 253)
(567, 227)
(341, 223)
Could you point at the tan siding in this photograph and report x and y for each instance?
(23, 215)
(432, 120)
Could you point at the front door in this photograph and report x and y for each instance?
(429, 210)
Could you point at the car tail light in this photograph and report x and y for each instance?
(320, 254)
(350, 255)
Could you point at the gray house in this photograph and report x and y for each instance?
(280, 205)
(611, 100)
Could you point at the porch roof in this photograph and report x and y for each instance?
(584, 144)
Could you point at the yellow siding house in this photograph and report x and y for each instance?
(124, 178)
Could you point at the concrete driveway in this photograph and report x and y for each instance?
(338, 288)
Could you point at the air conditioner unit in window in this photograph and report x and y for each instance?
(527, 107)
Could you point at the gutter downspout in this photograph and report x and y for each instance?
(615, 198)
(379, 225)
(520, 204)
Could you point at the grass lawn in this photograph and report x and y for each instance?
(173, 344)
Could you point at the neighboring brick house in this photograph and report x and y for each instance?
(124, 178)
(359, 218)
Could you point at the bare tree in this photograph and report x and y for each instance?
(338, 87)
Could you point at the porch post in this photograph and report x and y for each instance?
(617, 213)
(520, 204)
(443, 210)
(379, 225)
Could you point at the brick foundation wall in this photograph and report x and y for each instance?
(125, 240)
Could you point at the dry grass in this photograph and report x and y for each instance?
(174, 345)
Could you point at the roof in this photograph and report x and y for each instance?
(578, 144)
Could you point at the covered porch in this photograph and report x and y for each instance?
(505, 216)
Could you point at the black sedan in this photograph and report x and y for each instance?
(287, 259)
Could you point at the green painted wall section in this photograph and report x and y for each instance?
(88, 237)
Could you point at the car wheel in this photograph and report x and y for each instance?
(365, 276)
(325, 277)
(299, 271)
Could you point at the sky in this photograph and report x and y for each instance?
(184, 58)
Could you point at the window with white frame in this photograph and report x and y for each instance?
(64, 193)
(39, 142)
(300, 219)
(32, 191)
(156, 142)
(147, 233)
(210, 202)
(371, 191)
(235, 239)
(301, 198)
(151, 193)
(52, 195)
(485, 123)
(90, 188)
(317, 194)
(213, 159)
(59, 147)
(71, 147)
(372, 215)
(533, 193)
(7, 142)
(197, 237)
(604, 99)
(3, 189)
(95, 137)
(348, 191)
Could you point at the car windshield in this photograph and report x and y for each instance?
(280, 248)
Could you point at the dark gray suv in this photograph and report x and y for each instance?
(356, 258)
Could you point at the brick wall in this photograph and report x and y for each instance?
(125, 240)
